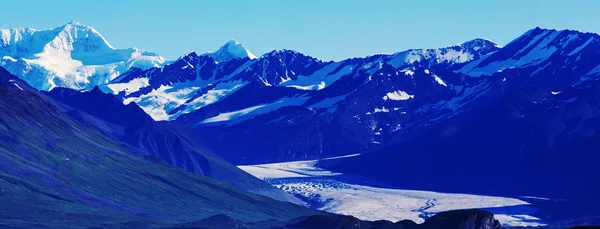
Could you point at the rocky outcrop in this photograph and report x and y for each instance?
(462, 219)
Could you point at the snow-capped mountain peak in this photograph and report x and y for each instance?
(77, 32)
(72, 36)
(457, 54)
(73, 55)
(76, 41)
(231, 50)
(76, 24)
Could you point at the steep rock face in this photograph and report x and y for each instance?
(73, 56)
(462, 219)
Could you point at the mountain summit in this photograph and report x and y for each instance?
(231, 50)
(73, 55)
(72, 37)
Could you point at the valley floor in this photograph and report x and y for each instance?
(368, 200)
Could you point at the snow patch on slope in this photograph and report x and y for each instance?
(321, 78)
(131, 86)
(250, 112)
(537, 51)
(439, 80)
(398, 95)
(158, 102)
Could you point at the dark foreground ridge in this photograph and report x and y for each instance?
(57, 173)
(456, 219)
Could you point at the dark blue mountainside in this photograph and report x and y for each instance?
(172, 143)
(474, 117)
(57, 173)
(442, 115)
(102, 106)
(541, 143)
(526, 112)
(536, 127)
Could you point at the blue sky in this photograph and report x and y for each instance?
(329, 30)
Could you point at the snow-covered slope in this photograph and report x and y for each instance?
(338, 193)
(196, 81)
(74, 56)
(539, 49)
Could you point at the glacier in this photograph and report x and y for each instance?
(351, 195)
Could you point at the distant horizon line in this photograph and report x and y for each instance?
(73, 22)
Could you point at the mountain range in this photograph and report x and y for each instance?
(60, 169)
(285, 105)
(527, 109)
